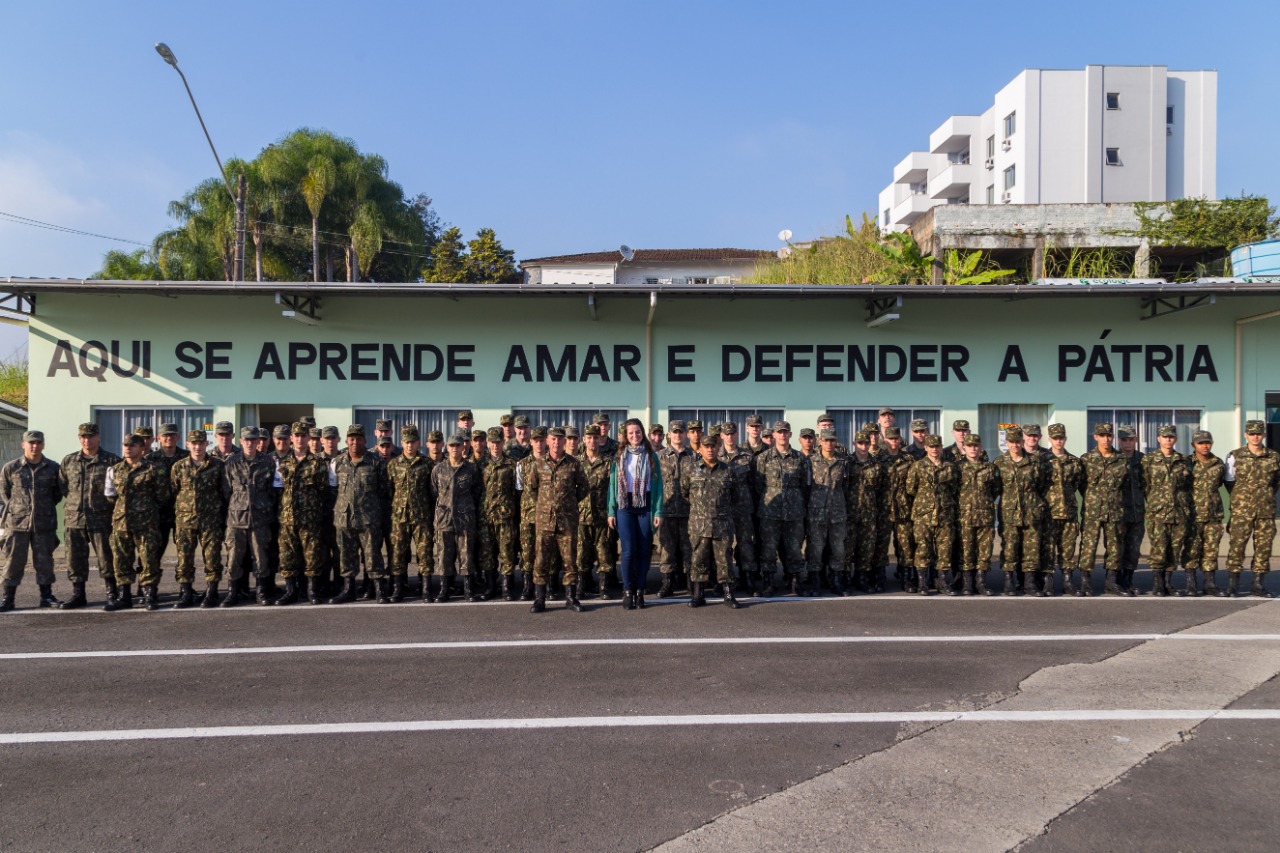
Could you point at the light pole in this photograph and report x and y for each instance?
(237, 198)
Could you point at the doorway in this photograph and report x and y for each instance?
(994, 417)
(268, 415)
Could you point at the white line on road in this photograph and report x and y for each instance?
(518, 723)
(635, 642)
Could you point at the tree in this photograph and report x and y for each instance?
(202, 248)
(488, 262)
(447, 263)
(137, 265)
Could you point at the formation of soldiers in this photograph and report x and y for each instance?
(314, 520)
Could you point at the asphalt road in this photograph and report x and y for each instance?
(510, 731)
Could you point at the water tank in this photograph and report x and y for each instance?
(1256, 260)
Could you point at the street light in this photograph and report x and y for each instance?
(237, 198)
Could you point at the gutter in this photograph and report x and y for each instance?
(1240, 323)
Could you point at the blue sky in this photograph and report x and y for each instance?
(566, 126)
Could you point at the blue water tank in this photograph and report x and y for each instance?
(1256, 259)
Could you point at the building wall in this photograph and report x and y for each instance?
(1193, 136)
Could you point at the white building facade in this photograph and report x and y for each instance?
(1108, 133)
(646, 266)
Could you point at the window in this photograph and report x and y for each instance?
(113, 423)
(1010, 177)
(849, 421)
(886, 217)
(991, 193)
(958, 158)
(1168, 114)
(1113, 156)
(1010, 124)
(445, 420)
(1113, 100)
(991, 147)
(738, 416)
(1147, 421)
(552, 417)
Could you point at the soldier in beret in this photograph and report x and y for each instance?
(30, 493)
(86, 516)
(200, 518)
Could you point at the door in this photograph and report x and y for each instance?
(994, 417)
(269, 415)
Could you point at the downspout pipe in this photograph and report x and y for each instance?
(1240, 324)
(648, 359)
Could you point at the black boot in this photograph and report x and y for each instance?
(46, 596)
(967, 589)
(313, 590)
(726, 590)
(1126, 583)
(290, 594)
(232, 598)
(1112, 585)
(468, 594)
(925, 581)
(628, 600)
(571, 601)
(1068, 588)
(1010, 583)
(602, 585)
(210, 598)
(910, 580)
(639, 599)
(186, 597)
(1029, 585)
(398, 584)
(1191, 589)
(426, 589)
(664, 591)
(77, 599)
(446, 591)
(508, 594)
(539, 598)
(877, 580)
(526, 594)
(123, 599)
(696, 598)
(793, 588)
(260, 594)
(6, 601)
(1258, 590)
(948, 582)
(151, 596)
(1158, 588)
(1046, 584)
(768, 590)
(555, 587)
(1086, 583)
(1210, 584)
(111, 589)
(980, 582)
(381, 591)
(348, 592)
(1233, 585)
(837, 588)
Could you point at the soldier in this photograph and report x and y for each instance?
(741, 462)
(897, 507)
(466, 423)
(808, 442)
(30, 493)
(383, 450)
(979, 489)
(873, 439)
(409, 480)
(755, 441)
(500, 516)
(674, 532)
(955, 453)
(224, 437)
(304, 482)
(87, 514)
(357, 515)
(148, 436)
(315, 441)
(657, 437)
(138, 491)
(827, 421)
(1106, 476)
(596, 539)
(528, 538)
(329, 437)
(383, 428)
(885, 418)
(1022, 487)
(608, 444)
(869, 476)
(1208, 473)
(1133, 529)
(250, 483)
(456, 489)
(558, 486)
(166, 456)
(518, 448)
(711, 492)
(507, 428)
(280, 443)
(1166, 477)
(933, 484)
(479, 447)
(919, 431)
(435, 446)
(830, 506)
(1061, 529)
(572, 440)
(200, 518)
(782, 480)
(692, 435)
(1252, 477)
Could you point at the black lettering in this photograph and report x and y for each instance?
(887, 375)
(1099, 364)
(1125, 351)
(593, 364)
(457, 362)
(568, 365)
(213, 359)
(921, 358)
(763, 361)
(1202, 362)
(300, 354)
(395, 359)
(1013, 365)
(364, 362)
(420, 374)
(829, 361)
(186, 353)
(625, 357)
(118, 368)
(97, 371)
(1158, 358)
(517, 365)
(954, 358)
(1069, 356)
(331, 358)
(680, 358)
(1179, 349)
(794, 360)
(269, 362)
(865, 366)
(146, 359)
(727, 354)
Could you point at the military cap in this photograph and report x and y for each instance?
(479, 435)
(824, 418)
(933, 441)
(808, 432)
(382, 423)
(827, 435)
(656, 428)
(707, 441)
(592, 429)
(1126, 432)
(133, 438)
(409, 432)
(315, 432)
(281, 431)
(329, 432)
(197, 435)
(1013, 434)
(781, 426)
(973, 440)
(1057, 431)
(1255, 428)
(600, 418)
(384, 441)
(224, 428)
(694, 424)
(555, 431)
(713, 429)
(960, 425)
(571, 432)
(885, 411)
(33, 435)
(861, 437)
(169, 429)
(505, 420)
(521, 420)
(892, 432)
(676, 425)
(728, 428)
(919, 425)
(250, 432)
(456, 439)
(1167, 431)
(88, 429)
(871, 429)
(1031, 429)
(299, 428)
(539, 432)
(145, 431)
(495, 434)
(1103, 429)
(435, 435)
(308, 420)
(1202, 436)
(465, 415)
(355, 429)
(755, 420)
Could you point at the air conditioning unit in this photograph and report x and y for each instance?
(1006, 144)
(991, 163)
(1168, 130)
(1005, 198)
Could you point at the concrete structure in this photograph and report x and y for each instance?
(648, 266)
(1108, 133)
(117, 353)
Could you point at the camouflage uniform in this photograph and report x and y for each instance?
(200, 516)
(673, 535)
(711, 493)
(500, 510)
(302, 499)
(1103, 482)
(1206, 528)
(166, 463)
(357, 514)
(597, 541)
(251, 494)
(1133, 528)
(1167, 502)
(457, 493)
(86, 515)
(528, 528)
(782, 481)
(868, 520)
(742, 465)
(829, 512)
(979, 490)
(898, 511)
(933, 488)
(557, 487)
(30, 493)
(1252, 480)
(409, 479)
(1062, 526)
(139, 494)
(1022, 487)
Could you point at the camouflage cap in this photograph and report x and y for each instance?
(330, 432)
(555, 432)
(479, 435)
(825, 418)
(960, 425)
(315, 432)
(676, 425)
(88, 429)
(539, 432)
(169, 429)
(505, 420)
(308, 420)
(755, 420)
(33, 435)
(892, 432)
(693, 425)
(384, 441)
(1126, 432)
(495, 434)
(862, 437)
(299, 428)
(919, 425)
(713, 429)
(409, 432)
(1103, 429)
(1167, 431)
(884, 411)
(932, 440)
(224, 428)
(355, 429)
(1013, 434)
(656, 428)
(456, 439)
(600, 418)
(382, 424)
(592, 429)
(145, 431)
(827, 435)
(1202, 436)
(973, 440)
(1255, 428)
(1057, 431)
(571, 432)
(1031, 429)
(781, 426)
(707, 441)
(808, 432)
(728, 428)
(197, 435)
(871, 428)
(435, 436)
(521, 420)
(133, 438)
(280, 431)
(465, 415)
(250, 433)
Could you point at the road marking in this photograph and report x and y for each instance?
(634, 642)
(518, 723)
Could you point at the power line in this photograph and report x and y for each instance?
(35, 223)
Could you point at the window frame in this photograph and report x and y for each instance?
(1148, 420)
(111, 439)
(1112, 100)
(1010, 124)
(579, 416)
(738, 416)
(1111, 156)
(1010, 177)
(902, 416)
(368, 415)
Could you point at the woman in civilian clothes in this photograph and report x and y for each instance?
(635, 509)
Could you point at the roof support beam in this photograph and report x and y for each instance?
(1162, 306)
(18, 302)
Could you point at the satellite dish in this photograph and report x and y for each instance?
(784, 253)
(784, 235)
(628, 253)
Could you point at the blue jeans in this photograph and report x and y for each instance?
(635, 532)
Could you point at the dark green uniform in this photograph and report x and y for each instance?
(1252, 479)
(409, 478)
(30, 492)
(1105, 479)
(139, 494)
(304, 482)
(782, 480)
(934, 488)
(357, 514)
(711, 492)
(200, 516)
(557, 487)
(86, 514)
(1206, 529)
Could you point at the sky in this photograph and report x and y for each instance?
(566, 126)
